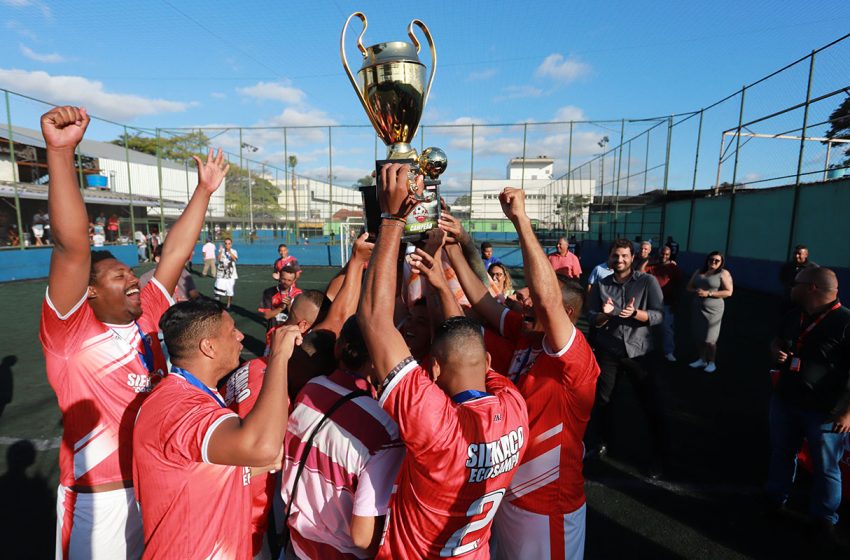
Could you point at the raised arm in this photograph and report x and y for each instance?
(255, 441)
(184, 233)
(457, 234)
(385, 343)
(345, 303)
(441, 300)
(68, 280)
(540, 276)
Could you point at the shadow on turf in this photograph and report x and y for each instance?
(27, 512)
(250, 315)
(7, 383)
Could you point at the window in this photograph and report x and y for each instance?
(494, 226)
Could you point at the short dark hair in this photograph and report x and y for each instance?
(185, 323)
(96, 257)
(800, 247)
(314, 357)
(621, 244)
(158, 251)
(353, 351)
(572, 293)
(486, 245)
(290, 269)
(456, 334)
(282, 245)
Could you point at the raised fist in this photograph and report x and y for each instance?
(513, 202)
(63, 127)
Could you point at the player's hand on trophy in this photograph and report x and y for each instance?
(434, 241)
(394, 195)
(453, 228)
(428, 266)
(513, 202)
(211, 172)
(64, 127)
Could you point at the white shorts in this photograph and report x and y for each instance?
(101, 525)
(518, 533)
(224, 286)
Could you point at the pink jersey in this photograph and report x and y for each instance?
(190, 507)
(559, 388)
(460, 460)
(240, 395)
(98, 374)
(566, 264)
(350, 469)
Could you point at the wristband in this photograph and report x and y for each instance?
(634, 314)
(388, 216)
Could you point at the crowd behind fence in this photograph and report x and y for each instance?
(596, 179)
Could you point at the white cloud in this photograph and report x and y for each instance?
(570, 113)
(519, 92)
(21, 30)
(481, 75)
(218, 95)
(51, 58)
(45, 9)
(88, 93)
(560, 69)
(274, 91)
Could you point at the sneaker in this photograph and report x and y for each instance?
(670, 357)
(710, 368)
(698, 364)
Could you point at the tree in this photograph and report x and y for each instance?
(462, 200)
(572, 211)
(364, 181)
(263, 192)
(839, 128)
(178, 147)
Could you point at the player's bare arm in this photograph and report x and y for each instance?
(454, 229)
(63, 129)
(184, 233)
(385, 343)
(483, 304)
(255, 440)
(366, 532)
(345, 303)
(542, 282)
(431, 269)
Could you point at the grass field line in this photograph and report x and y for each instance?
(41, 444)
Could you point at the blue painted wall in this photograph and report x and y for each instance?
(35, 263)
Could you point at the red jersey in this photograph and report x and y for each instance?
(190, 507)
(501, 350)
(281, 262)
(240, 395)
(559, 388)
(460, 460)
(99, 375)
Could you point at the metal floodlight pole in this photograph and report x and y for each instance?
(330, 179)
(286, 185)
(15, 177)
(241, 169)
(129, 181)
(250, 202)
(628, 183)
(619, 173)
(793, 226)
(694, 183)
(524, 144)
(735, 173)
(471, 175)
(569, 177)
(159, 179)
(645, 183)
(663, 224)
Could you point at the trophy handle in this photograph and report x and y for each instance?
(362, 50)
(427, 33)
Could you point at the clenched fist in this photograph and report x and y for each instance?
(64, 127)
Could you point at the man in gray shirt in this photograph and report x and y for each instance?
(623, 307)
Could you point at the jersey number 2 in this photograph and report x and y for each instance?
(453, 546)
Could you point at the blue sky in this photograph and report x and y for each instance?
(186, 64)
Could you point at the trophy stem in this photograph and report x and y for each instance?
(401, 150)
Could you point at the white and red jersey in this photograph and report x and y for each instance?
(350, 469)
(240, 395)
(559, 387)
(190, 507)
(99, 376)
(282, 262)
(460, 460)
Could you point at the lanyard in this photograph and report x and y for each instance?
(469, 395)
(813, 324)
(192, 380)
(145, 357)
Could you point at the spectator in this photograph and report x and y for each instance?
(711, 284)
(277, 300)
(669, 277)
(285, 259)
(112, 227)
(225, 278)
(501, 286)
(600, 271)
(812, 396)
(674, 248)
(642, 258)
(790, 269)
(141, 246)
(185, 288)
(37, 229)
(563, 261)
(623, 306)
(487, 255)
(208, 250)
(98, 239)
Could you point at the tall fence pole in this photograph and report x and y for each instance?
(735, 172)
(471, 174)
(159, 181)
(645, 183)
(628, 182)
(619, 173)
(15, 177)
(694, 183)
(286, 186)
(792, 229)
(330, 179)
(241, 170)
(524, 144)
(663, 228)
(129, 183)
(569, 180)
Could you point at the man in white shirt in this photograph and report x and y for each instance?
(208, 251)
(225, 277)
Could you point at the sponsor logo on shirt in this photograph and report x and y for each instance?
(490, 459)
(237, 390)
(141, 383)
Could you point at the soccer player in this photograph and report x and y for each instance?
(277, 300)
(464, 430)
(554, 369)
(98, 331)
(283, 261)
(193, 457)
(226, 275)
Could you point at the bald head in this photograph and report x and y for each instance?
(824, 279)
(814, 287)
(306, 308)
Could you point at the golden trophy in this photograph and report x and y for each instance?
(391, 87)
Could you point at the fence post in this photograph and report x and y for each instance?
(471, 176)
(793, 226)
(330, 179)
(645, 181)
(159, 179)
(619, 172)
(663, 229)
(628, 182)
(569, 181)
(694, 183)
(129, 184)
(286, 187)
(735, 173)
(524, 140)
(15, 177)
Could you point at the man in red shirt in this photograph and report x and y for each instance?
(563, 261)
(193, 457)
(465, 432)
(554, 369)
(669, 277)
(99, 334)
(283, 261)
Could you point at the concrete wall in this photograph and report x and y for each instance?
(35, 263)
